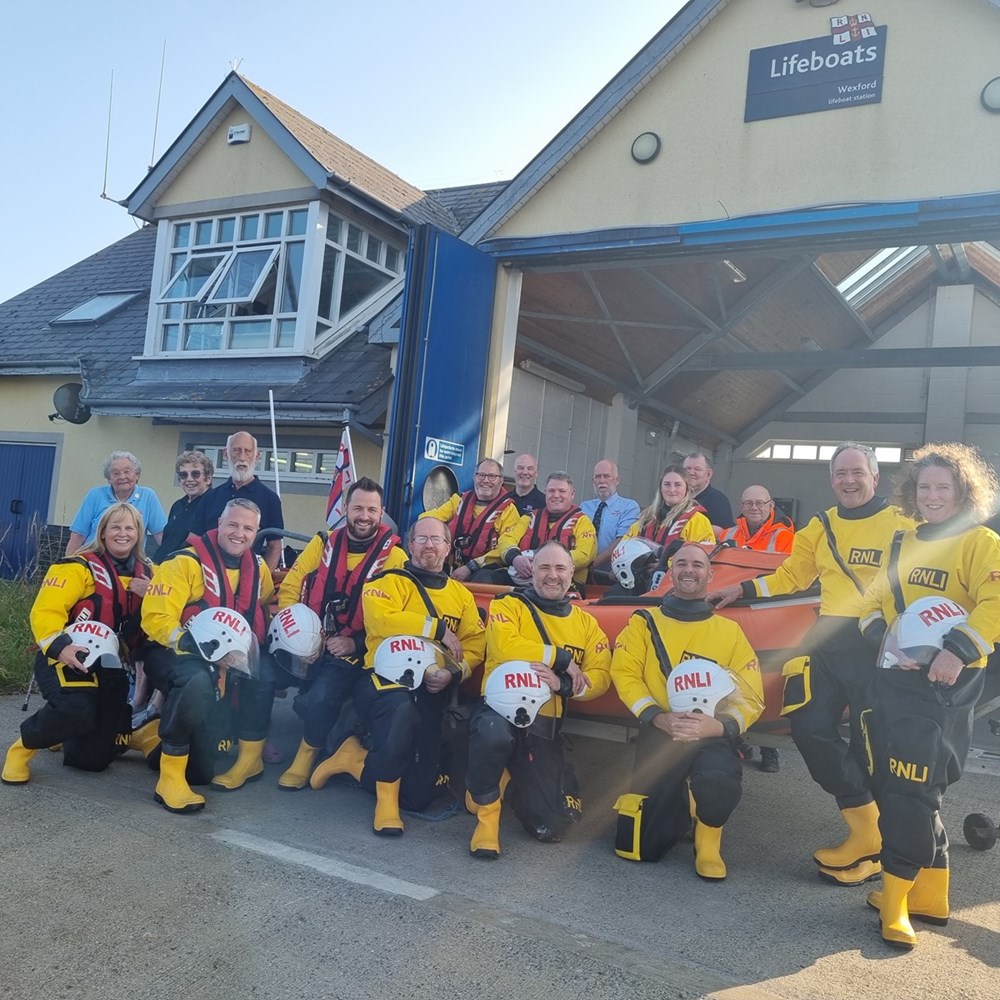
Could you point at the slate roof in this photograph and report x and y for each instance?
(468, 201)
(356, 374)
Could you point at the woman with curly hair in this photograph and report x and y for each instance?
(920, 720)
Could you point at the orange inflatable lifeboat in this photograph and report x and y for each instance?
(774, 627)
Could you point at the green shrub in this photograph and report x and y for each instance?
(16, 642)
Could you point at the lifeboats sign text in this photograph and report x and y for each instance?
(818, 74)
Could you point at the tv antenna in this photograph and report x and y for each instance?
(159, 94)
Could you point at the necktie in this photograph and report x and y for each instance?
(598, 516)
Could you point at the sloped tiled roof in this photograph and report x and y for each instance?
(355, 374)
(360, 171)
(467, 201)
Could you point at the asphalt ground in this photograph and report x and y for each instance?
(272, 894)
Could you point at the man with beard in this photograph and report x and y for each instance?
(328, 576)
(218, 570)
(571, 655)
(686, 765)
(476, 519)
(242, 455)
(404, 763)
(560, 519)
(843, 548)
(526, 495)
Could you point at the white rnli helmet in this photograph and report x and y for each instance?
(917, 635)
(224, 637)
(698, 686)
(295, 638)
(632, 559)
(403, 659)
(101, 641)
(516, 692)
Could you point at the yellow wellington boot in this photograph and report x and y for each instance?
(172, 790)
(858, 875)
(297, 776)
(708, 861)
(146, 738)
(387, 819)
(894, 913)
(349, 759)
(15, 767)
(486, 837)
(863, 842)
(927, 900)
(249, 766)
(472, 807)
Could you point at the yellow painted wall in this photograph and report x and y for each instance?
(928, 137)
(219, 170)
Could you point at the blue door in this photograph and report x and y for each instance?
(444, 348)
(25, 486)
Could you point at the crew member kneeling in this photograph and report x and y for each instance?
(217, 571)
(85, 619)
(692, 680)
(404, 713)
(562, 652)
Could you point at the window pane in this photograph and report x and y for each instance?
(392, 259)
(239, 278)
(826, 451)
(354, 238)
(171, 334)
(293, 278)
(203, 337)
(334, 227)
(764, 452)
(203, 232)
(250, 334)
(173, 311)
(804, 451)
(326, 282)
(272, 224)
(889, 455)
(781, 451)
(373, 249)
(192, 277)
(326, 463)
(182, 234)
(303, 461)
(227, 229)
(297, 222)
(176, 262)
(272, 459)
(360, 283)
(286, 333)
(248, 227)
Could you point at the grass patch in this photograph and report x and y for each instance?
(16, 640)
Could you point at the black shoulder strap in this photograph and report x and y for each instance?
(661, 651)
(421, 589)
(831, 540)
(893, 571)
(535, 617)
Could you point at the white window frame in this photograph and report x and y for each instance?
(234, 257)
(166, 299)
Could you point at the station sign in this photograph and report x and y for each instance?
(843, 69)
(441, 450)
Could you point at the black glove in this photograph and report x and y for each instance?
(187, 644)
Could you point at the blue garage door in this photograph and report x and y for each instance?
(25, 486)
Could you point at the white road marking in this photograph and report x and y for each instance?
(326, 866)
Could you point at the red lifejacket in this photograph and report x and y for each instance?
(664, 536)
(332, 581)
(475, 534)
(218, 590)
(111, 603)
(541, 529)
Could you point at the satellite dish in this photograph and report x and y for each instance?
(66, 400)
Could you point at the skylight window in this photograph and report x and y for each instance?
(97, 307)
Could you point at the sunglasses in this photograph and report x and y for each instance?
(193, 474)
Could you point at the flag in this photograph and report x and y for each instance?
(343, 476)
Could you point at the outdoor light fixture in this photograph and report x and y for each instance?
(534, 368)
(990, 97)
(645, 147)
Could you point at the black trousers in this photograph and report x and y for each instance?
(663, 768)
(195, 721)
(841, 666)
(406, 737)
(919, 739)
(323, 694)
(88, 713)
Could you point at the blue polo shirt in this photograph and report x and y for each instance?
(100, 498)
(619, 515)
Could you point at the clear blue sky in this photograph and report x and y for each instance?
(443, 92)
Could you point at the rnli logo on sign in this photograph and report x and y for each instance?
(865, 557)
(925, 576)
(852, 28)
